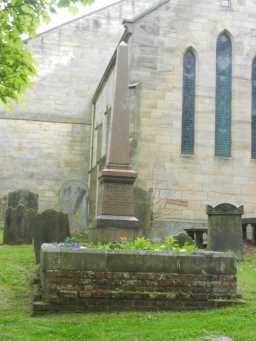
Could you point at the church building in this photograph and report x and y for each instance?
(191, 103)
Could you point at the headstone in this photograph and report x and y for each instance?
(23, 197)
(73, 201)
(49, 227)
(225, 228)
(3, 208)
(18, 225)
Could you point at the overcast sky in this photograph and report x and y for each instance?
(64, 15)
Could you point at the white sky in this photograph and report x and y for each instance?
(64, 16)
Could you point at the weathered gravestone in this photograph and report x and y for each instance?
(22, 206)
(3, 207)
(225, 228)
(23, 197)
(18, 225)
(49, 227)
(73, 201)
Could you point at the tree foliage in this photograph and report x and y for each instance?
(19, 18)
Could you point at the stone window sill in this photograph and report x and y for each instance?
(223, 157)
(187, 155)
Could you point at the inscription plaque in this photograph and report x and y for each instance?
(118, 199)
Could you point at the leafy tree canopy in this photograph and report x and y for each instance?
(19, 18)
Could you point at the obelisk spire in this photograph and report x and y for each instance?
(119, 149)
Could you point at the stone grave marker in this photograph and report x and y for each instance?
(49, 227)
(225, 228)
(73, 201)
(3, 207)
(23, 197)
(22, 207)
(18, 225)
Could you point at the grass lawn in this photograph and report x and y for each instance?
(16, 271)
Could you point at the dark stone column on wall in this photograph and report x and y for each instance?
(115, 201)
(225, 228)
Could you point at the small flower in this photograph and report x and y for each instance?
(70, 245)
(124, 239)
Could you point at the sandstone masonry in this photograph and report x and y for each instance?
(174, 189)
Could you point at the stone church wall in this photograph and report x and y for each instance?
(45, 142)
(42, 156)
(181, 186)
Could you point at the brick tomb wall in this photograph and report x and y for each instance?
(97, 280)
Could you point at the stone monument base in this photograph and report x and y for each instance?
(116, 216)
(109, 230)
(124, 222)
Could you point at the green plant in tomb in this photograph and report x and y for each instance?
(141, 243)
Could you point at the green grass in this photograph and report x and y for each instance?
(16, 271)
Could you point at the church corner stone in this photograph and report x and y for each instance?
(225, 228)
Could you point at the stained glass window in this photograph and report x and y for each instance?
(253, 149)
(223, 96)
(188, 102)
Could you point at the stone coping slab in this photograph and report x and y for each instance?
(55, 257)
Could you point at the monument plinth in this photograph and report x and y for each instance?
(115, 201)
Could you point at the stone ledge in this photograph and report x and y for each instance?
(60, 258)
(111, 305)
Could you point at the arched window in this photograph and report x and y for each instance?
(223, 96)
(253, 133)
(188, 102)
